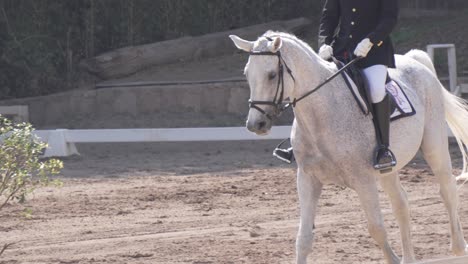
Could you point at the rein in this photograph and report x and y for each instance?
(296, 100)
(277, 101)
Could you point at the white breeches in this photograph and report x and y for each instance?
(376, 77)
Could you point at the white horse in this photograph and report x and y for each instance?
(334, 142)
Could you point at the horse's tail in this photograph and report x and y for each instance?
(456, 114)
(456, 111)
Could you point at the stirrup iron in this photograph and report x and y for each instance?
(285, 155)
(384, 153)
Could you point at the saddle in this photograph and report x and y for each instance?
(401, 106)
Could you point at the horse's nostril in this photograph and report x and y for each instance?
(261, 125)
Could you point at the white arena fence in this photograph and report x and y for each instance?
(61, 142)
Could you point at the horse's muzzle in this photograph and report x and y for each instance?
(260, 127)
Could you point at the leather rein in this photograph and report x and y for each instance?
(277, 101)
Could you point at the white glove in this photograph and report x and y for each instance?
(363, 48)
(325, 52)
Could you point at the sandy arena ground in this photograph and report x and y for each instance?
(204, 203)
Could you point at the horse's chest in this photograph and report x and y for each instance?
(338, 163)
(326, 170)
(338, 155)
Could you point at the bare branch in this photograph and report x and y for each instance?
(5, 247)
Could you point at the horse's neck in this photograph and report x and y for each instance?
(326, 110)
(329, 110)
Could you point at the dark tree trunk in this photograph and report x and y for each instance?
(126, 61)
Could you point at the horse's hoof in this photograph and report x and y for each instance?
(460, 251)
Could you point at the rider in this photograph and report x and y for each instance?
(362, 28)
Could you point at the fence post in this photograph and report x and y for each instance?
(452, 64)
(58, 146)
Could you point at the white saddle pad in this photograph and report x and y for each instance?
(402, 104)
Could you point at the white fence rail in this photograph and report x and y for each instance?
(62, 141)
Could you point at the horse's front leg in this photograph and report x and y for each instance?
(309, 190)
(392, 186)
(369, 198)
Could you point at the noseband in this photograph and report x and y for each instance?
(277, 101)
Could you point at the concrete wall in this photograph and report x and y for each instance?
(203, 105)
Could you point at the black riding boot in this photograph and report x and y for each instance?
(286, 155)
(384, 158)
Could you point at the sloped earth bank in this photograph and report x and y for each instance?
(205, 203)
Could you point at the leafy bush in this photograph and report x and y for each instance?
(21, 169)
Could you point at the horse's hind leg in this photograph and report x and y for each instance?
(436, 153)
(392, 187)
(309, 190)
(369, 198)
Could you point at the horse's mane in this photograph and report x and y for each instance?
(303, 45)
(289, 36)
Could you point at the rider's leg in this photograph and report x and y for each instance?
(376, 77)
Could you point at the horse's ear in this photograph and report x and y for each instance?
(275, 45)
(242, 44)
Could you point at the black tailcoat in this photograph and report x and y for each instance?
(345, 23)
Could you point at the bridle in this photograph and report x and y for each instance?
(278, 100)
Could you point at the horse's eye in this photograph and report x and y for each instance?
(271, 75)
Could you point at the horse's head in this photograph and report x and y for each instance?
(269, 78)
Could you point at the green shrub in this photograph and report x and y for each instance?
(21, 169)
